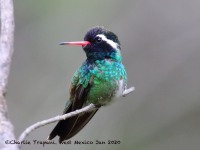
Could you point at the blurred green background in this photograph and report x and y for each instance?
(161, 51)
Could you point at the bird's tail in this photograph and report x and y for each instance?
(66, 129)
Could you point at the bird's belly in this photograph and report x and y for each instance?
(108, 82)
(102, 92)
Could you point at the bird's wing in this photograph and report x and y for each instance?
(65, 129)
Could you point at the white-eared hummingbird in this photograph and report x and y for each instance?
(100, 79)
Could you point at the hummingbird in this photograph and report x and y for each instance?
(99, 79)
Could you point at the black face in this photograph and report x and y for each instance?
(98, 48)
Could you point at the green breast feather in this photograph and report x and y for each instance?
(106, 75)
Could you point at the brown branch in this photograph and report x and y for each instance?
(6, 51)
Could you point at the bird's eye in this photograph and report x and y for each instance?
(98, 40)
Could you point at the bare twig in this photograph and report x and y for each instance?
(128, 91)
(62, 117)
(54, 119)
(6, 51)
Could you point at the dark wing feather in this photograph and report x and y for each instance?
(81, 121)
(58, 129)
(65, 129)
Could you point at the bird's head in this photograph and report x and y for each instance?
(99, 44)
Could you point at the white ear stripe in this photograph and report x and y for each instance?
(110, 42)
